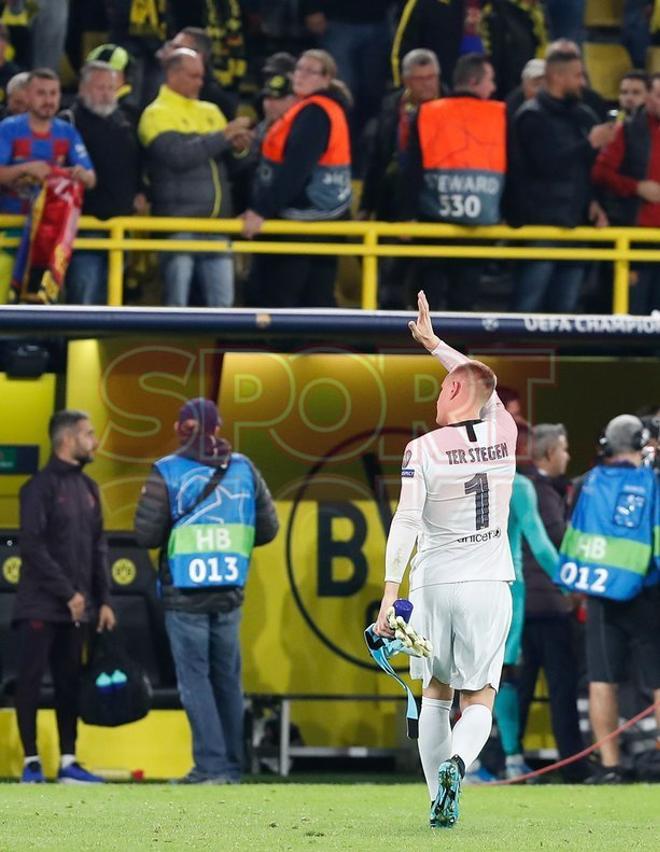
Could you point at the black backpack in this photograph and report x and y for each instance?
(115, 689)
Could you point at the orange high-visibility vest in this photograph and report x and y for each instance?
(463, 145)
(329, 186)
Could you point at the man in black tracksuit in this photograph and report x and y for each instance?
(64, 586)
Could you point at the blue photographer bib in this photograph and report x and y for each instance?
(211, 542)
(608, 548)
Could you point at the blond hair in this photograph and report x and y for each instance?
(479, 376)
(329, 68)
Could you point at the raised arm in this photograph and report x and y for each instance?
(422, 331)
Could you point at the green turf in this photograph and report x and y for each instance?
(324, 816)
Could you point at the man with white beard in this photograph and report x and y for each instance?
(115, 152)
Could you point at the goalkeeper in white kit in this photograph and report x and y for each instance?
(456, 486)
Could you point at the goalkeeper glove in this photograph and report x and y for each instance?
(411, 642)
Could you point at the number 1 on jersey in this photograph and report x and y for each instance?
(478, 486)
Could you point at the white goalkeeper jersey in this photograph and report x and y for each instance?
(455, 491)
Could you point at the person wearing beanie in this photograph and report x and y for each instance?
(118, 58)
(206, 507)
(279, 63)
(609, 553)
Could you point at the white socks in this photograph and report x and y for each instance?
(435, 740)
(66, 760)
(29, 758)
(471, 732)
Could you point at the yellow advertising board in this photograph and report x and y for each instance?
(327, 429)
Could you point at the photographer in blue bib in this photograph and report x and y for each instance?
(611, 553)
(206, 507)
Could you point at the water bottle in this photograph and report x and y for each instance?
(403, 608)
(103, 683)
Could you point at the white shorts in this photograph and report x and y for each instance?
(467, 624)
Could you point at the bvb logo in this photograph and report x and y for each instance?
(124, 572)
(11, 569)
(335, 547)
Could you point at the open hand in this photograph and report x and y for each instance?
(422, 329)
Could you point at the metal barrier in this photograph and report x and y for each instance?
(363, 240)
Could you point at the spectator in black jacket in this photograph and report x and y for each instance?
(548, 636)
(115, 152)
(119, 60)
(64, 588)
(590, 97)
(203, 620)
(552, 148)
(596, 102)
(382, 190)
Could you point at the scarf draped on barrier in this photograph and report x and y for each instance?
(47, 240)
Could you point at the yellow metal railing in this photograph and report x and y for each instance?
(364, 240)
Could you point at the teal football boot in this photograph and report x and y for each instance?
(444, 810)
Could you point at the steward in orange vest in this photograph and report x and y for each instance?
(461, 162)
(305, 167)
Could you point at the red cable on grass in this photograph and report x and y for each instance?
(567, 760)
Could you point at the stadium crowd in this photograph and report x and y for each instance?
(459, 112)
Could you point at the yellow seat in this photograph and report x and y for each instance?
(653, 60)
(605, 65)
(603, 13)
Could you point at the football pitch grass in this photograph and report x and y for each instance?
(345, 815)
